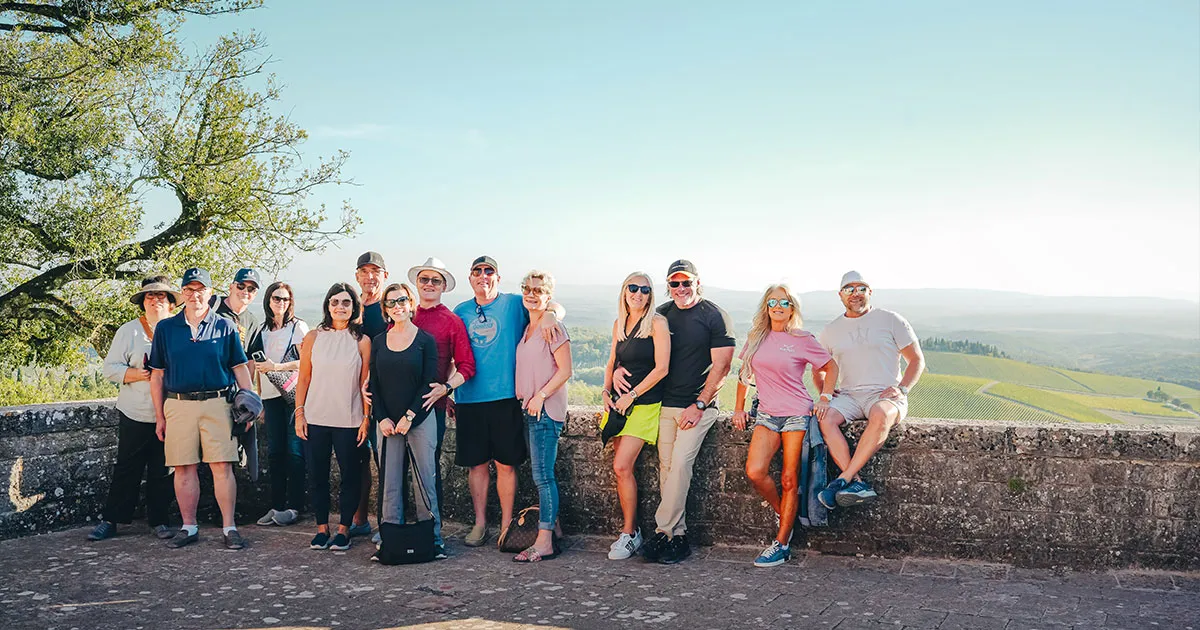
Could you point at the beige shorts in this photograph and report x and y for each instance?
(856, 405)
(198, 431)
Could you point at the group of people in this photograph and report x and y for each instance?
(372, 381)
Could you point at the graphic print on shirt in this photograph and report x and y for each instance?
(483, 333)
(859, 336)
(788, 348)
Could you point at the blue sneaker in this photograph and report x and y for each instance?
(774, 555)
(320, 541)
(857, 493)
(361, 529)
(828, 496)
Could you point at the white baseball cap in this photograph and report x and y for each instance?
(851, 277)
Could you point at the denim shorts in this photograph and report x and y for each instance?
(782, 424)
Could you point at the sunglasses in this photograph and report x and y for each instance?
(483, 271)
(535, 290)
(853, 290)
(634, 288)
(280, 299)
(480, 313)
(772, 303)
(403, 299)
(247, 286)
(437, 282)
(675, 284)
(346, 303)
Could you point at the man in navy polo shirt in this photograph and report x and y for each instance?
(197, 359)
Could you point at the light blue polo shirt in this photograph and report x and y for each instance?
(494, 331)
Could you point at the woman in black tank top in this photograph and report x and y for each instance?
(633, 384)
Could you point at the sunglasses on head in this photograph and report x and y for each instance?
(437, 282)
(281, 299)
(344, 303)
(247, 286)
(634, 288)
(483, 271)
(403, 299)
(853, 290)
(675, 284)
(772, 303)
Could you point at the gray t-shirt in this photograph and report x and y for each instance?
(867, 349)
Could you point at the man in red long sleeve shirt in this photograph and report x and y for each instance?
(456, 361)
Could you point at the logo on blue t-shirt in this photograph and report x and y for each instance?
(483, 333)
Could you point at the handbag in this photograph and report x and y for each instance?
(522, 531)
(407, 543)
(285, 380)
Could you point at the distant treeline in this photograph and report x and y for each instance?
(937, 344)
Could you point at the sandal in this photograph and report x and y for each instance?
(533, 555)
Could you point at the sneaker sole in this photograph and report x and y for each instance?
(336, 548)
(772, 563)
(850, 500)
(821, 500)
(318, 547)
(620, 557)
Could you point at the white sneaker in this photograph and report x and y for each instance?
(625, 546)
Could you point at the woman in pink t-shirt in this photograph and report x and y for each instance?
(774, 358)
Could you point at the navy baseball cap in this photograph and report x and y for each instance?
(247, 274)
(196, 274)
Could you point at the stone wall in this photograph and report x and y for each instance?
(1083, 496)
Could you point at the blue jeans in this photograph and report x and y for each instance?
(541, 434)
(285, 455)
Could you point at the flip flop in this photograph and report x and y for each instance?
(533, 555)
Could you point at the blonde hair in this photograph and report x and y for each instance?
(544, 276)
(760, 327)
(647, 326)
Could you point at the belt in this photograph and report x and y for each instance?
(195, 395)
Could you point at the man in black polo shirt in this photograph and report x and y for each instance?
(197, 358)
(236, 306)
(701, 352)
(370, 272)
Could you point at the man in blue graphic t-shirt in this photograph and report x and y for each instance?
(489, 425)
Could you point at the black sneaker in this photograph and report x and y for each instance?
(341, 542)
(677, 549)
(653, 548)
(103, 531)
(183, 539)
(233, 540)
(320, 541)
(439, 552)
(162, 532)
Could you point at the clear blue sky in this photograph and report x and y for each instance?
(1050, 148)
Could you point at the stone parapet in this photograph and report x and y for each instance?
(1083, 496)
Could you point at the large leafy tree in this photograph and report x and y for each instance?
(99, 107)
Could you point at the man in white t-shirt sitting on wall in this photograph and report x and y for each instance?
(867, 344)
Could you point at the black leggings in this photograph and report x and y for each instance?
(138, 451)
(343, 443)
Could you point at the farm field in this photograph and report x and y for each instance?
(1139, 406)
(1003, 370)
(945, 396)
(1049, 401)
(1126, 386)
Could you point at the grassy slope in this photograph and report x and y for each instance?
(1050, 401)
(945, 396)
(1003, 370)
(1127, 405)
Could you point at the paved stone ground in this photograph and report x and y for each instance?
(61, 581)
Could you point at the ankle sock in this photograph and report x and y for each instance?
(191, 530)
(226, 530)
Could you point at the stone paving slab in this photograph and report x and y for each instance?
(60, 581)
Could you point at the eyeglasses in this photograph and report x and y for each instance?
(675, 284)
(156, 295)
(534, 290)
(480, 313)
(634, 288)
(437, 282)
(191, 290)
(483, 271)
(346, 303)
(852, 290)
(247, 286)
(281, 299)
(392, 303)
(772, 303)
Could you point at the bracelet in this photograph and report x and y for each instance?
(542, 393)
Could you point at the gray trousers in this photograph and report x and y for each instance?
(422, 439)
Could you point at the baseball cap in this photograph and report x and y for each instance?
(486, 260)
(851, 277)
(371, 258)
(196, 274)
(247, 274)
(682, 266)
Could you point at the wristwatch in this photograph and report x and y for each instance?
(701, 405)
(903, 390)
(449, 387)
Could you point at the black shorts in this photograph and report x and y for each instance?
(490, 430)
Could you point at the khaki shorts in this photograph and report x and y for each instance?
(856, 405)
(198, 431)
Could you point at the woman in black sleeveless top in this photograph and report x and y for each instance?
(637, 363)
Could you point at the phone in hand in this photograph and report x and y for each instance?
(258, 355)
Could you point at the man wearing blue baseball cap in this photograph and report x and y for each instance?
(198, 361)
(236, 306)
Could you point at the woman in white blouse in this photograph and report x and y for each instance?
(138, 448)
(285, 450)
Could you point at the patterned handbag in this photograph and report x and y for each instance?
(285, 380)
(522, 531)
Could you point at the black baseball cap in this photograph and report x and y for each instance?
(247, 274)
(196, 274)
(682, 266)
(486, 260)
(371, 258)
